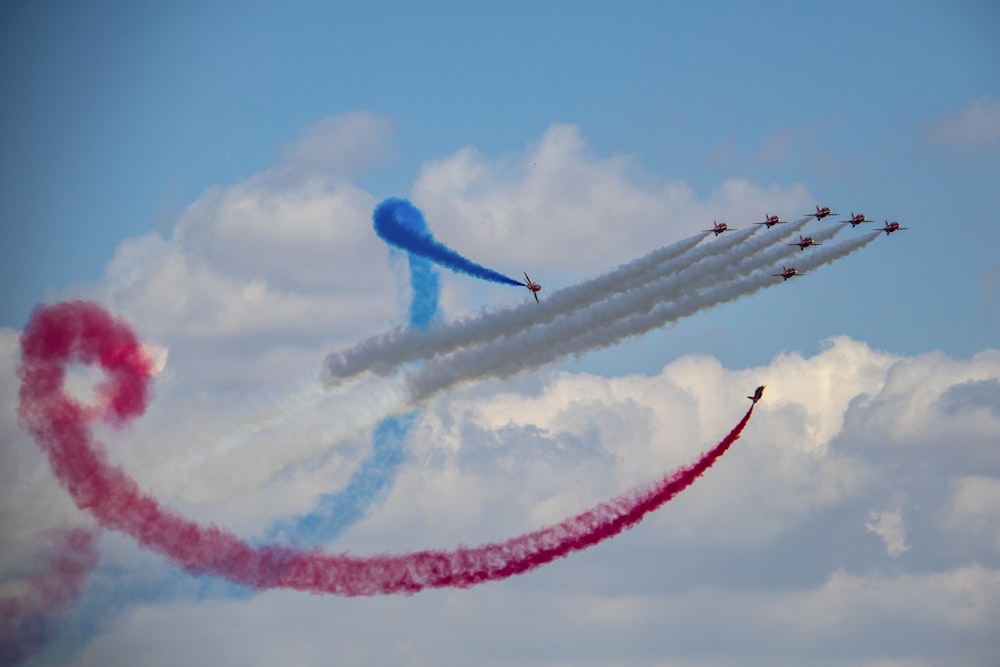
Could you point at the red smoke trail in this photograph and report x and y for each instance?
(24, 620)
(79, 331)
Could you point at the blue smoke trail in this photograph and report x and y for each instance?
(335, 512)
(400, 223)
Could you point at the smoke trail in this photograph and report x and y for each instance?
(25, 620)
(335, 512)
(383, 354)
(400, 223)
(631, 314)
(83, 332)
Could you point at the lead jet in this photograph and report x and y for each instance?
(805, 242)
(758, 392)
(856, 220)
(771, 221)
(821, 213)
(533, 287)
(719, 227)
(891, 227)
(790, 272)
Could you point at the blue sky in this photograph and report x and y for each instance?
(208, 170)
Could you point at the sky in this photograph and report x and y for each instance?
(208, 172)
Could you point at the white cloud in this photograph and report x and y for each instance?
(978, 124)
(529, 209)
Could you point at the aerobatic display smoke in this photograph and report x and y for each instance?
(24, 620)
(82, 332)
(400, 223)
(411, 365)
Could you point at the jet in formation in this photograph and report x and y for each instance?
(719, 227)
(790, 272)
(771, 221)
(805, 242)
(821, 213)
(856, 219)
(891, 227)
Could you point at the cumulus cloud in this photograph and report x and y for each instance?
(978, 124)
(529, 208)
(256, 282)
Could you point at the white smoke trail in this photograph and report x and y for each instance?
(538, 346)
(255, 452)
(543, 341)
(384, 353)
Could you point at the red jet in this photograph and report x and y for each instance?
(821, 213)
(891, 227)
(719, 227)
(790, 272)
(805, 242)
(771, 221)
(534, 288)
(856, 220)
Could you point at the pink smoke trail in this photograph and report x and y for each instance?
(24, 619)
(84, 332)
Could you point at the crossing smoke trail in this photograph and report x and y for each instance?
(400, 223)
(335, 512)
(383, 354)
(25, 620)
(83, 332)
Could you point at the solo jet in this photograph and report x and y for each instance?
(821, 213)
(856, 219)
(891, 227)
(805, 242)
(533, 287)
(771, 221)
(790, 272)
(758, 392)
(719, 227)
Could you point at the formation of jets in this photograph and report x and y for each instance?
(770, 221)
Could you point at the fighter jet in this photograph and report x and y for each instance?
(805, 242)
(856, 219)
(757, 394)
(719, 227)
(821, 213)
(534, 288)
(790, 272)
(771, 221)
(891, 227)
